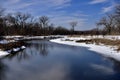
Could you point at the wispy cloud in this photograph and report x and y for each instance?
(107, 9)
(14, 1)
(21, 4)
(60, 2)
(97, 1)
(61, 18)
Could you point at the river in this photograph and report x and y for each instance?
(44, 60)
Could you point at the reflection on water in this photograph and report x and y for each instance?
(33, 49)
(42, 48)
(3, 69)
(43, 60)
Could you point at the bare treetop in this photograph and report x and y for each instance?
(73, 24)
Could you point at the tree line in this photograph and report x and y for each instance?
(25, 24)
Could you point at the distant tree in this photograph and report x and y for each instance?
(22, 18)
(117, 18)
(44, 22)
(2, 10)
(118, 9)
(60, 30)
(73, 24)
(2, 21)
(51, 28)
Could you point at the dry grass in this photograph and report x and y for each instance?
(102, 41)
(68, 40)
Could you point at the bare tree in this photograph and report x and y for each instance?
(44, 22)
(118, 9)
(73, 24)
(22, 18)
(2, 21)
(1, 11)
(117, 18)
(108, 23)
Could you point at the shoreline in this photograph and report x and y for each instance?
(105, 50)
(11, 44)
(3, 53)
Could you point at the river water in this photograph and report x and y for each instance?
(44, 60)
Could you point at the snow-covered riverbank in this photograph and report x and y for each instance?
(107, 51)
(3, 53)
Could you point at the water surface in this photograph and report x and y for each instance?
(44, 60)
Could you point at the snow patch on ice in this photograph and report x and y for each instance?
(23, 47)
(16, 49)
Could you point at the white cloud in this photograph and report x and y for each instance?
(61, 18)
(24, 5)
(60, 2)
(11, 2)
(14, 1)
(97, 1)
(107, 9)
(21, 4)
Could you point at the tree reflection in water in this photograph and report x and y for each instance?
(33, 48)
(58, 66)
(38, 47)
(3, 69)
(116, 65)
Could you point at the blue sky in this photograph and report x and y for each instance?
(62, 12)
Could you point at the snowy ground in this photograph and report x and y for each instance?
(3, 53)
(107, 51)
(31, 37)
(112, 37)
(9, 39)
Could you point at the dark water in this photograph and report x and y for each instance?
(44, 60)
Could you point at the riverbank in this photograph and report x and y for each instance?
(103, 49)
(11, 44)
(9, 48)
(3, 53)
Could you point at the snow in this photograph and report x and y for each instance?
(16, 36)
(107, 51)
(6, 41)
(23, 47)
(9, 51)
(16, 49)
(3, 53)
(19, 37)
(41, 37)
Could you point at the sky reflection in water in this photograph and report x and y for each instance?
(43, 60)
